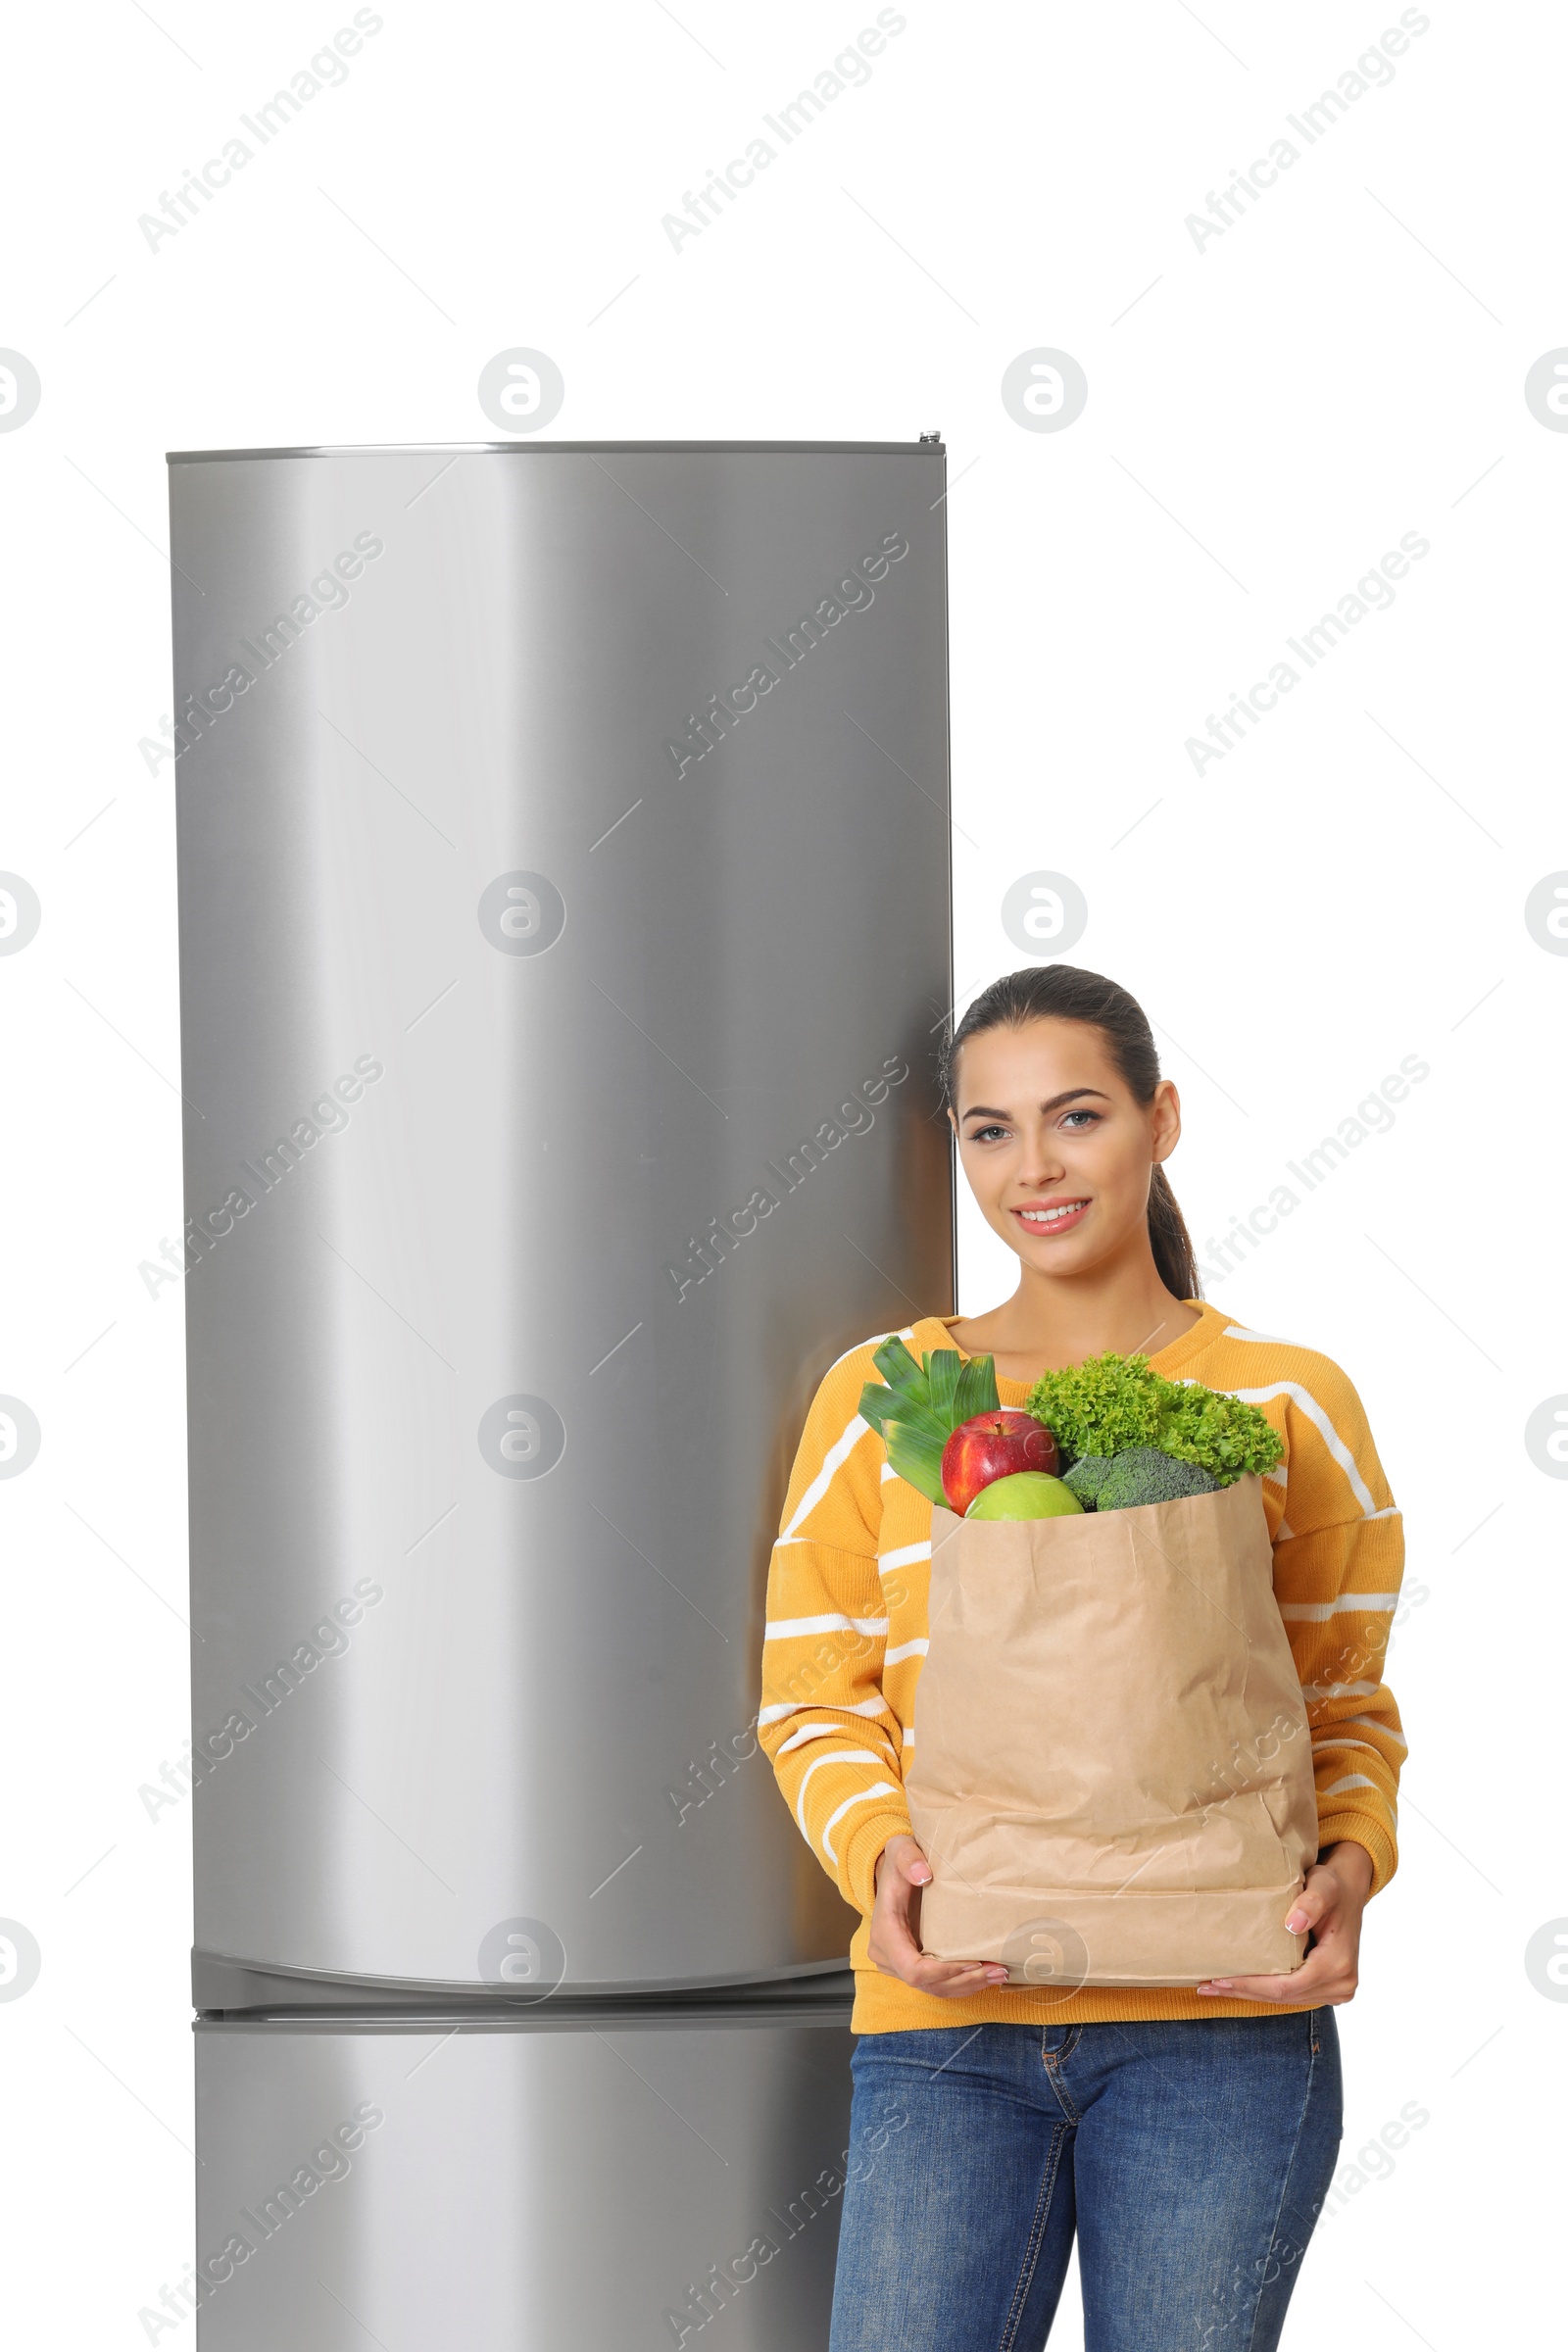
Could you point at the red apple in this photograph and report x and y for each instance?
(994, 1446)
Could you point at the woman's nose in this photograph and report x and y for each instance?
(1041, 1159)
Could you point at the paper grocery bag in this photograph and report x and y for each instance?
(1112, 1771)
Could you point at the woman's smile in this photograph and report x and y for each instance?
(1054, 1216)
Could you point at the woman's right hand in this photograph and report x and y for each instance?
(900, 1870)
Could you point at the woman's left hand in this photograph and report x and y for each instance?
(1331, 1904)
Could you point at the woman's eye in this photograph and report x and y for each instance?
(1090, 1118)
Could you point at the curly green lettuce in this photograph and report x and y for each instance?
(1111, 1402)
(1218, 1433)
(1101, 1405)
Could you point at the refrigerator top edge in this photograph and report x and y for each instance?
(933, 447)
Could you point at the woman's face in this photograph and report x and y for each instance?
(1056, 1152)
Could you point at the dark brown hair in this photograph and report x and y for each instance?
(1060, 992)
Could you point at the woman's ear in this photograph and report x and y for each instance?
(1165, 1114)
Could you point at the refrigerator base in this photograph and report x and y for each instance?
(608, 2180)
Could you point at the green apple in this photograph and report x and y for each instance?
(1026, 1495)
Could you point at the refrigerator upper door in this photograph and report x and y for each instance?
(563, 939)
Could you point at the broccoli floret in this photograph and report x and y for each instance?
(1141, 1474)
(1087, 1476)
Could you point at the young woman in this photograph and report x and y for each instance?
(1187, 2136)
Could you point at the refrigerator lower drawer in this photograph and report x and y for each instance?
(520, 2185)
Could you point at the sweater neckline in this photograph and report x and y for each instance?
(1165, 1360)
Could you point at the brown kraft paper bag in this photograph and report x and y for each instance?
(1112, 1771)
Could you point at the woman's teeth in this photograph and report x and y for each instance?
(1049, 1216)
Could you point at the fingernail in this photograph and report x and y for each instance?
(1219, 1984)
(1296, 1923)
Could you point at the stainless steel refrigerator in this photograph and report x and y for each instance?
(564, 938)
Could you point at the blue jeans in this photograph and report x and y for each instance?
(1191, 2155)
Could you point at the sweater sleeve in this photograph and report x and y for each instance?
(829, 1732)
(1339, 1557)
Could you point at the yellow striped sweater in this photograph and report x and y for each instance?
(846, 1630)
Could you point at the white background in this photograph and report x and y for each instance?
(1266, 416)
